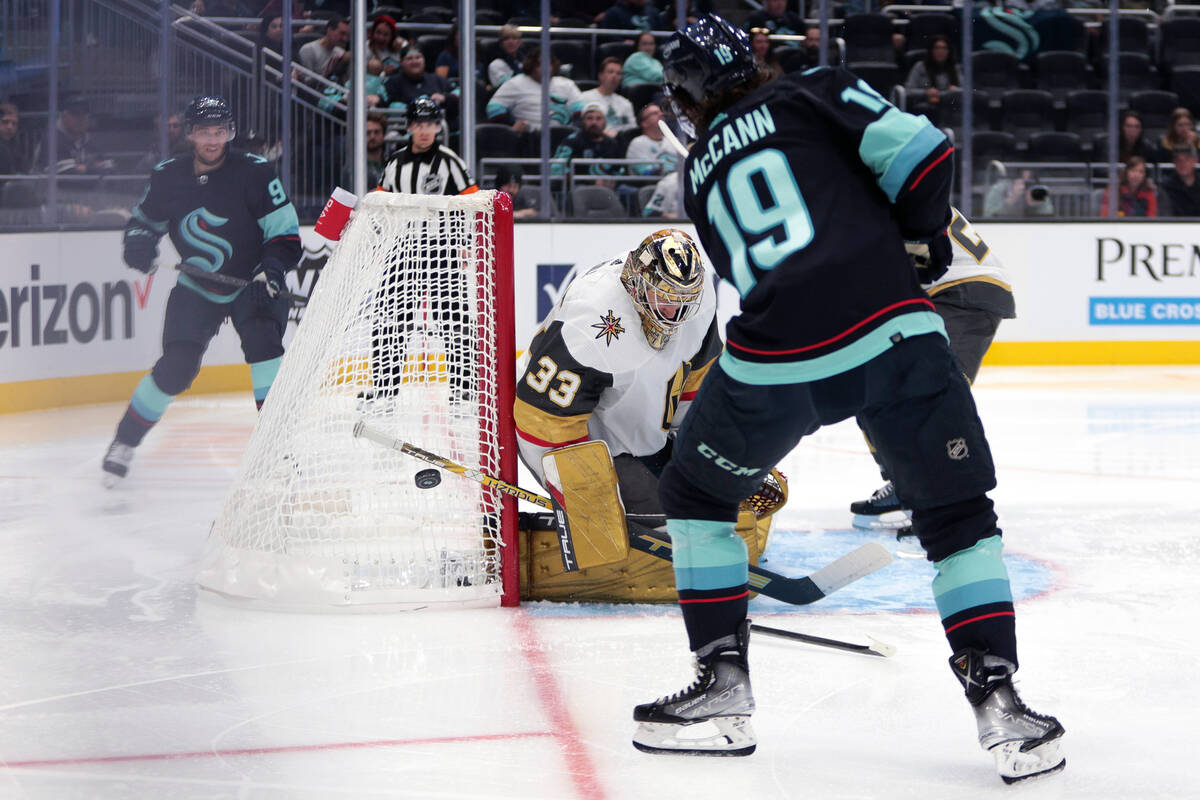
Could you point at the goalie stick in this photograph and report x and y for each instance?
(229, 280)
(856, 564)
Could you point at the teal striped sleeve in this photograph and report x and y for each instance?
(893, 145)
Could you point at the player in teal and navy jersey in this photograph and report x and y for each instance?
(826, 207)
(226, 213)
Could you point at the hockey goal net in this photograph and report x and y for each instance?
(410, 330)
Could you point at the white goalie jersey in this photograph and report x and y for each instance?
(591, 375)
(973, 259)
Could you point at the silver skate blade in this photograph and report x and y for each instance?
(1016, 764)
(733, 737)
(110, 480)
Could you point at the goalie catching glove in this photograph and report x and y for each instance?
(930, 259)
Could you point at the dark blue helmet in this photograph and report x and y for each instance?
(423, 109)
(708, 57)
(208, 110)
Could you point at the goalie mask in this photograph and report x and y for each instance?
(665, 278)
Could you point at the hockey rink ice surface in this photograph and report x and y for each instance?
(117, 682)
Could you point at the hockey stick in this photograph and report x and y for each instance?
(875, 648)
(229, 280)
(856, 564)
(671, 138)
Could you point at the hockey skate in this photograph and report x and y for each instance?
(1024, 743)
(719, 698)
(116, 463)
(881, 510)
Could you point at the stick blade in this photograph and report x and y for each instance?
(856, 564)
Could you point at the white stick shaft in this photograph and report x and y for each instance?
(672, 140)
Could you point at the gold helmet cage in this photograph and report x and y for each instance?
(665, 278)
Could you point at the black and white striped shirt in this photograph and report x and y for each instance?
(438, 170)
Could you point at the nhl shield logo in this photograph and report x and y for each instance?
(957, 449)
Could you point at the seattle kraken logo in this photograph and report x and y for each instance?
(210, 251)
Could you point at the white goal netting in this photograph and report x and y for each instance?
(402, 332)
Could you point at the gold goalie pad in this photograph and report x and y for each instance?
(587, 506)
(638, 578)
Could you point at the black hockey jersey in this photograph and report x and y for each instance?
(803, 193)
(229, 220)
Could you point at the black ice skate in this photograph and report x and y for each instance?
(719, 698)
(1024, 743)
(881, 510)
(116, 463)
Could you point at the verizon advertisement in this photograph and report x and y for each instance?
(69, 307)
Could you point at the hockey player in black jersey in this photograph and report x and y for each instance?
(226, 213)
(826, 207)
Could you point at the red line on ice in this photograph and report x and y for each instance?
(579, 764)
(257, 751)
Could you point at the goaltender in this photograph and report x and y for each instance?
(611, 372)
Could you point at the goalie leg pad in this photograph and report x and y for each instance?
(590, 516)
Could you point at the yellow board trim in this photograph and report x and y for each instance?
(224, 378)
(1027, 354)
(114, 387)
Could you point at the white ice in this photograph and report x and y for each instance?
(116, 682)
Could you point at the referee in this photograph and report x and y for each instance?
(423, 167)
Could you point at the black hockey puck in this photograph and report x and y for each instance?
(427, 478)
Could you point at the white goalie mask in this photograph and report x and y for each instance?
(665, 278)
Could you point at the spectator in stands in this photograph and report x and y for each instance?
(618, 111)
(764, 51)
(274, 8)
(508, 179)
(379, 44)
(328, 55)
(667, 199)
(642, 68)
(812, 48)
(412, 81)
(76, 156)
(1022, 196)
(1181, 132)
(775, 18)
(932, 75)
(650, 145)
(590, 141)
(508, 61)
(446, 65)
(1136, 197)
(12, 155)
(518, 102)
(270, 34)
(1180, 190)
(634, 15)
(375, 129)
(176, 141)
(1133, 141)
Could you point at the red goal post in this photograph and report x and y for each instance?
(410, 328)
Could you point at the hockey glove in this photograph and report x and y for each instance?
(930, 259)
(141, 248)
(267, 284)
